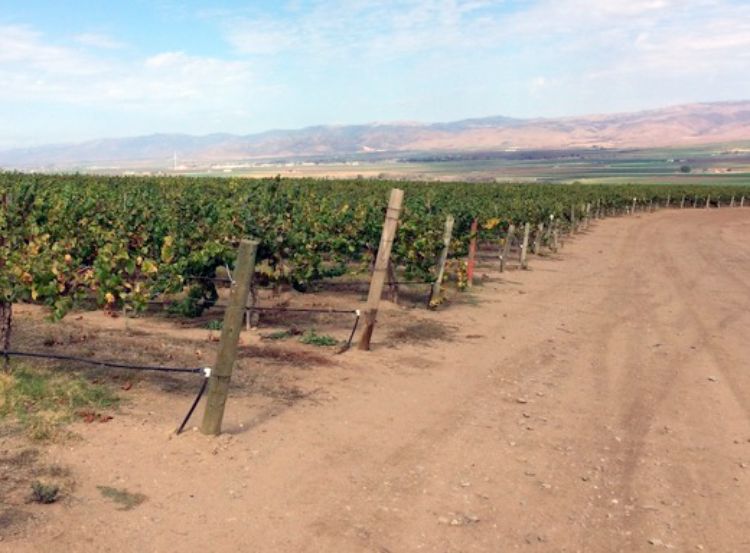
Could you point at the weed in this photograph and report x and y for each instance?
(44, 493)
(216, 324)
(124, 498)
(312, 338)
(41, 400)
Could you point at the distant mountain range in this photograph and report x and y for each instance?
(692, 124)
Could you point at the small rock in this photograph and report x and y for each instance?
(655, 541)
(522, 400)
(443, 520)
(713, 379)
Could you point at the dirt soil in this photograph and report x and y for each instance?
(599, 402)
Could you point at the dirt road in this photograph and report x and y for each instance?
(598, 403)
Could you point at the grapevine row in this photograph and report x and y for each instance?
(128, 240)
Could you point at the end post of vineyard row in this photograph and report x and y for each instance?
(506, 246)
(218, 382)
(440, 272)
(381, 266)
(471, 262)
(525, 247)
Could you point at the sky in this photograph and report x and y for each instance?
(79, 70)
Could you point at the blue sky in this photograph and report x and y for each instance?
(77, 70)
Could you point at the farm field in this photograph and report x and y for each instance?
(717, 164)
(598, 402)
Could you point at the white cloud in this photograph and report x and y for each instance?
(22, 46)
(98, 40)
(33, 70)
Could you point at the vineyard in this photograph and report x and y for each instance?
(571, 387)
(122, 242)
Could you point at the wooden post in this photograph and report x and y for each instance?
(669, 199)
(708, 201)
(651, 205)
(525, 246)
(392, 282)
(588, 214)
(632, 211)
(572, 219)
(731, 204)
(6, 305)
(538, 236)
(506, 246)
(381, 266)
(695, 202)
(682, 202)
(555, 239)
(742, 201)
(471, 262)
(218, 382)
(447, 235)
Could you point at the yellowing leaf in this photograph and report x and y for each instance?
(149, 267)
(489, 224)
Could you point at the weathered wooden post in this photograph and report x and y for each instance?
(538, 237)
(548, 231)
(471, 262)
(381, 266)
(392, 282)
(525, 247)
(632, 211)
(6, 303)
(682, 202)
(669, 199)
(506, 247)
(555, 239)
(447, 235)
(731, 204)
(573, 219)
(742, 201)
(708, 201)
(588, 214)
(218, 382)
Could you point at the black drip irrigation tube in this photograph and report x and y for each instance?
(303, 310)
(351, 334)
(206, 371)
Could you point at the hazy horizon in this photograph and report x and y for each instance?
(195, 67)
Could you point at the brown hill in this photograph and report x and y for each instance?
(691, 124)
